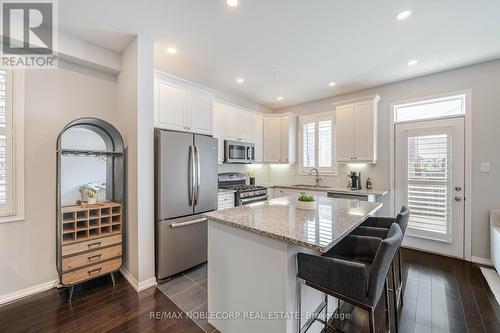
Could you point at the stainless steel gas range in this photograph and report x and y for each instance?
(244, 194)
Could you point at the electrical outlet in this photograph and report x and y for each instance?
(485, 166)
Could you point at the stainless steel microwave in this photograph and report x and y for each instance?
(239, 152)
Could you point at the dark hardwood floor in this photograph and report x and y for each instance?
(441, 295)
(96, 307)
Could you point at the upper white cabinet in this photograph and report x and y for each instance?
(356, 127)
(181, 105)
(280, 138)
(218, 129)
(237, 124)
(258, 137)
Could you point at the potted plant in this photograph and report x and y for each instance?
(89, 194)
(306, 201)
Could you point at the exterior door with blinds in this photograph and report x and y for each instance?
(430, 181)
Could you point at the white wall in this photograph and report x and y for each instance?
(484, 82)
(53, 98)
(135, 109)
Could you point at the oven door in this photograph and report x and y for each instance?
(236, 152)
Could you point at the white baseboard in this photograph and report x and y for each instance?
(482, 261)
(138, 286)
(30, 291)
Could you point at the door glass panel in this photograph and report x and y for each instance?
(236, 152)
(428, 178)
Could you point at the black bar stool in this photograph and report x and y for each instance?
(354, 271)
(379, 227)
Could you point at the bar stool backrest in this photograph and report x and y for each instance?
(402, 218)
(382, 262)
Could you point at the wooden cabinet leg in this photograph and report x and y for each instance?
(70, 296)
(113, 279)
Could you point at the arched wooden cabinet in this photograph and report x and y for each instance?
(89, 236)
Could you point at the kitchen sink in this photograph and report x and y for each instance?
(311, 186)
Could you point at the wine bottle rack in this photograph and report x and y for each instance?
(84, 223)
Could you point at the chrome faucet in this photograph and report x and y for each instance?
(317, 175)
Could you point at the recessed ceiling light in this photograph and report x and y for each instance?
(240, 80)
(404, 15)
(280, 98)
(331, 84)
(171, 50)
(232, 3)
(412, 62)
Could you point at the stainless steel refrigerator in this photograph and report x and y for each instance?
(185, 186)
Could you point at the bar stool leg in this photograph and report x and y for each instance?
(326, 313)
(299, 306)
(394, 298)
(400, 278)
(372, 320)
(387, 308)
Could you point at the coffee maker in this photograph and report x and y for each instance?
(355, 180)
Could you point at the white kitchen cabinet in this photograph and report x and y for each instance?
(225, 200)
(201, 108)
(170, 105)
(181, 105)
(218, 129)
(258, 137)
(239, 124)
(280, 138)
(356, 127)
(236, 123)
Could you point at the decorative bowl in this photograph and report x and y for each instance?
(306, 205)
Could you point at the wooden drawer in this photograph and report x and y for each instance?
(91, 245)
(91, 271)
(92, 257)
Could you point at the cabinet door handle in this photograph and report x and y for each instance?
(95, 271)
(96, 244)
(94, 258)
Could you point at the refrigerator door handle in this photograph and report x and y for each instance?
(191, 175)
(183, 224)
(198, 173)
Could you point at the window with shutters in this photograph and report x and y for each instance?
(316, 147)
(428, 186)
(11, 147)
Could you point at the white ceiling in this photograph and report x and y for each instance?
(356, 43)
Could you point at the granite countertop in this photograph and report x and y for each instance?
(318, 229)
(361, 192)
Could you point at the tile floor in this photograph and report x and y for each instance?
(189, 292)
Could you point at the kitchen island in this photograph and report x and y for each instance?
(252, 249)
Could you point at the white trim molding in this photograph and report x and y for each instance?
(18, 96)
(26, 292)
(481, 261)
(467, 249)
(138, 286)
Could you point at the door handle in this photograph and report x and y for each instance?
(183, 224)
(458, 198)
(198, 172)
(191, 175)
